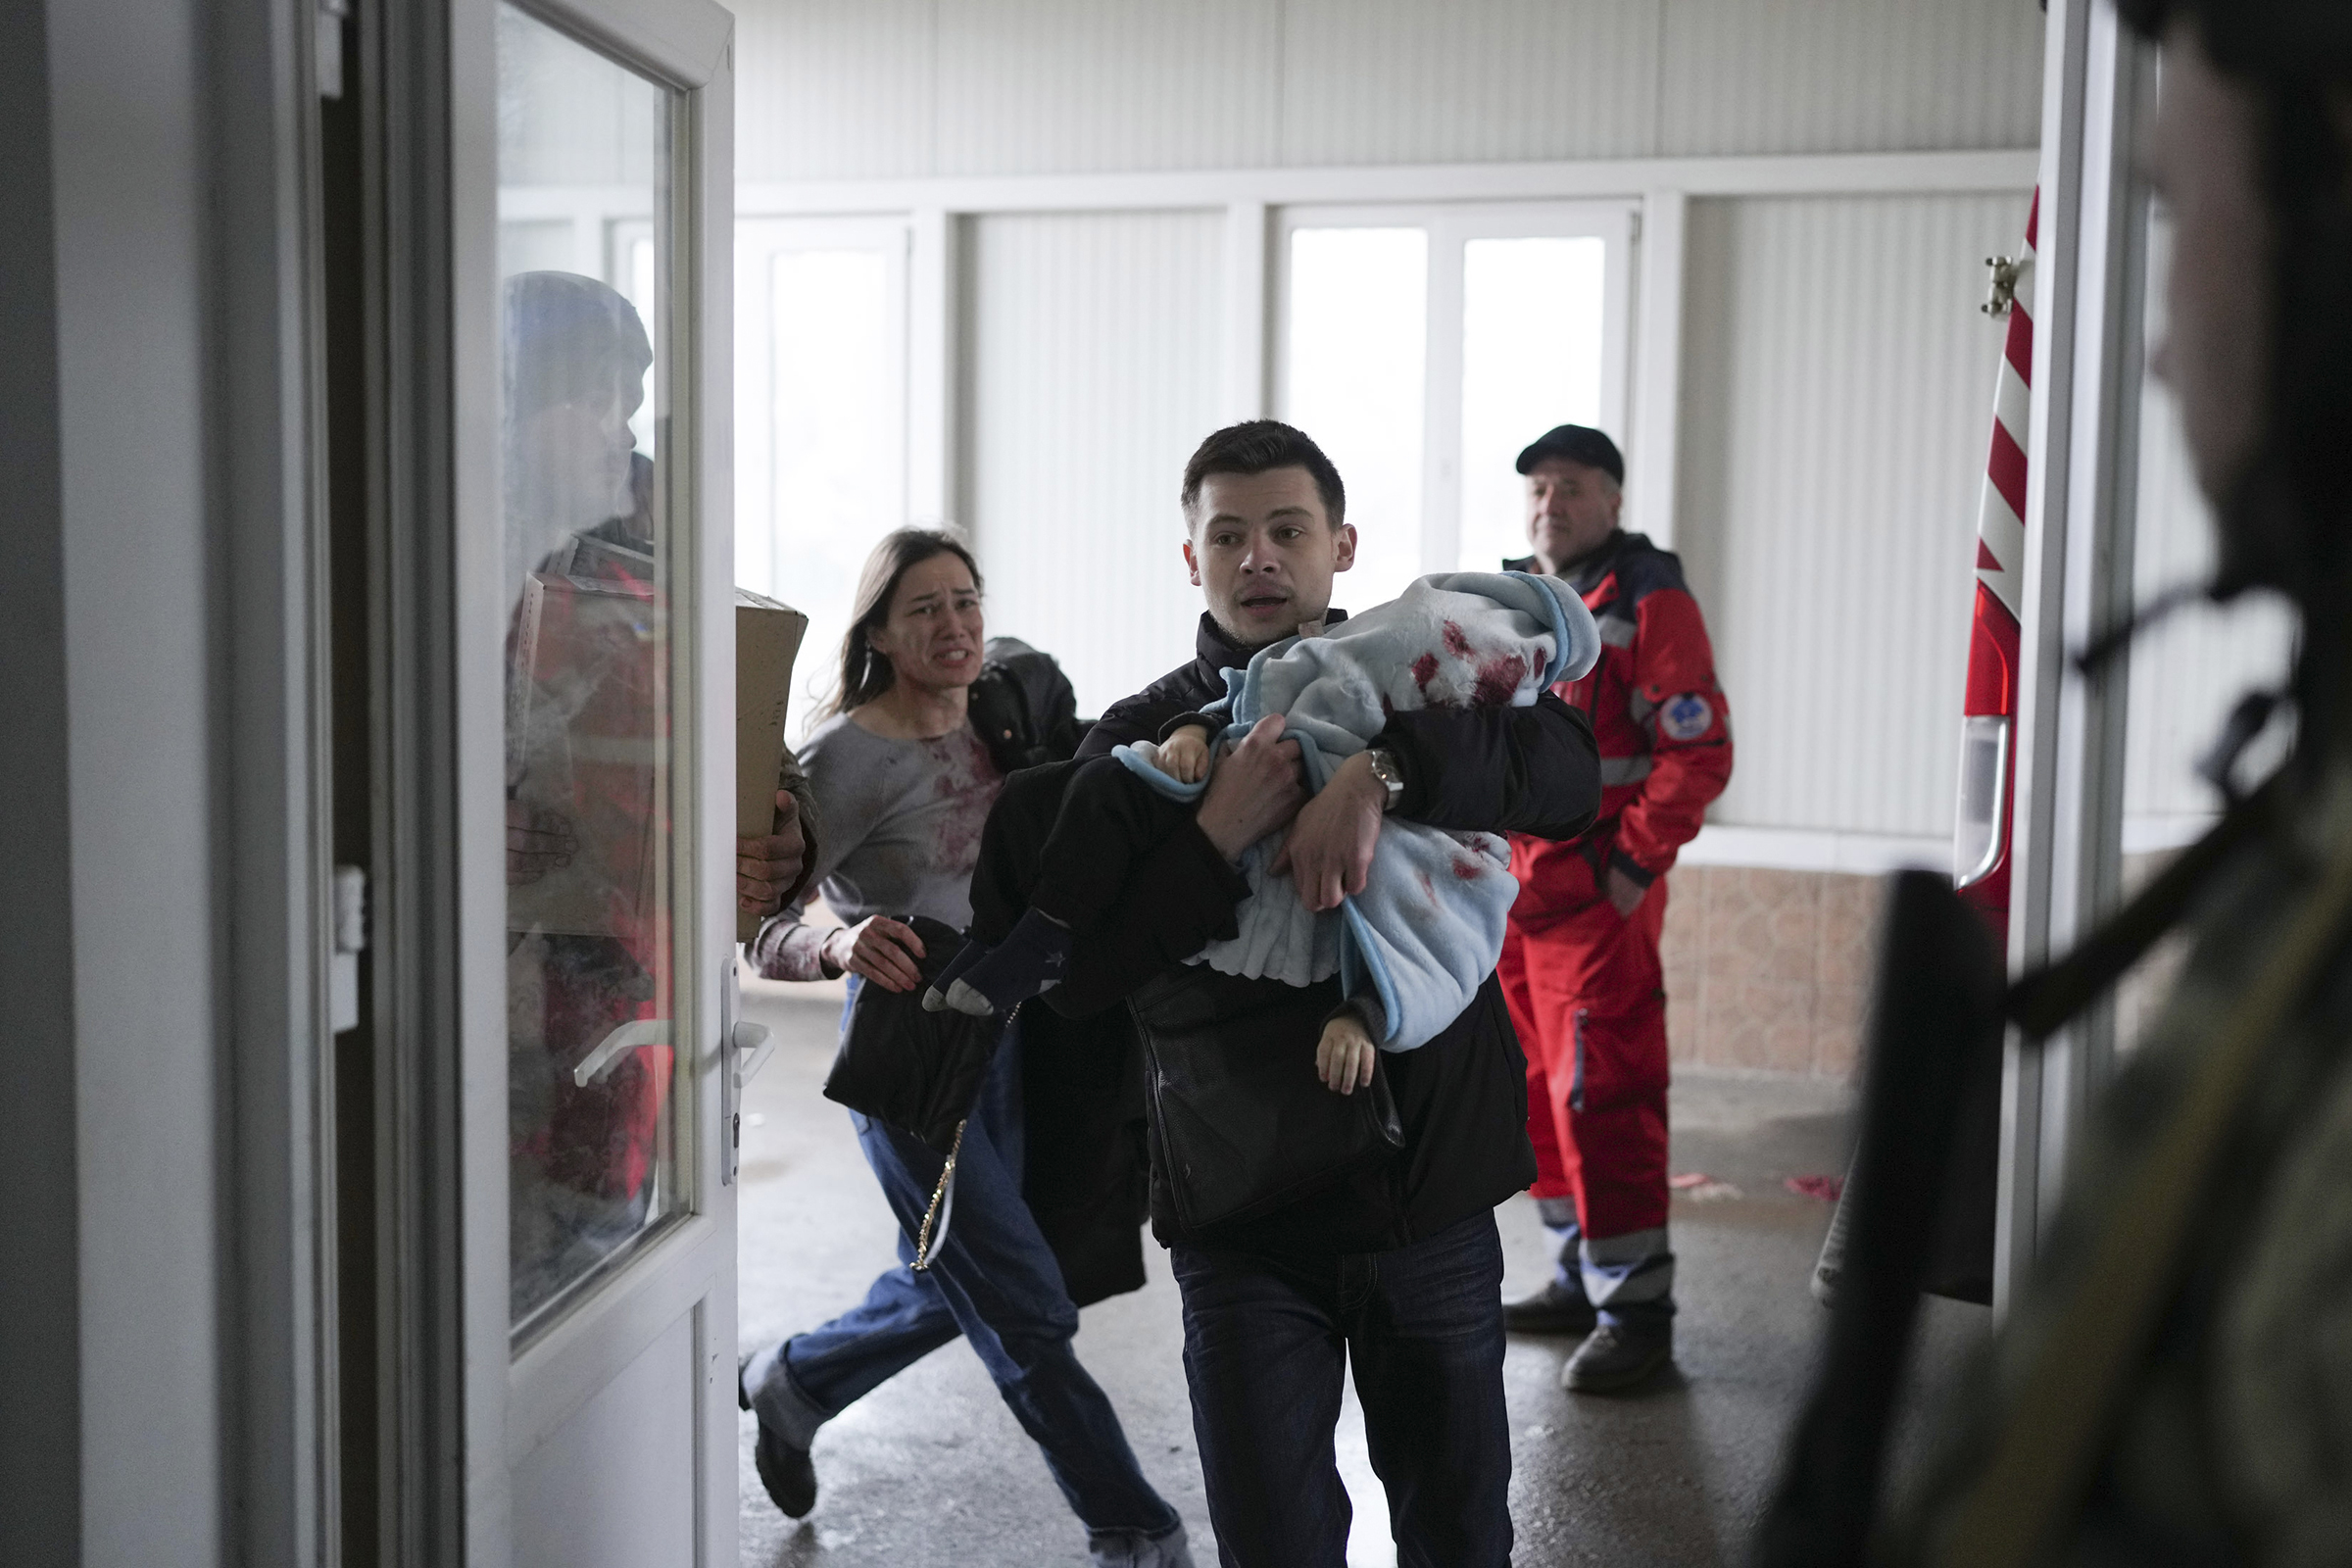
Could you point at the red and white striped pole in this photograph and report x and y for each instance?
(1988, 725)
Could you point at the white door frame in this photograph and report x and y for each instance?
(2082, 521)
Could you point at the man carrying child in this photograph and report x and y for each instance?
(1395, 1262)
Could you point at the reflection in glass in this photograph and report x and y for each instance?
(1355, 362)
(590, 943)
(1532, 315)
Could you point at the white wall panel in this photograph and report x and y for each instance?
(1093, 363)
(1054, 86)
(832, 91)
(1848, 76)
(1368, 81)
(1837, 399)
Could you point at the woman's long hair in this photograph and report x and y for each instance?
(864, 673)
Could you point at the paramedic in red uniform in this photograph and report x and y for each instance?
(1580, 958)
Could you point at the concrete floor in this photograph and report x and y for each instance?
(931, 1468)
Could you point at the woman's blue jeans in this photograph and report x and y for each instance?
(994, 1281)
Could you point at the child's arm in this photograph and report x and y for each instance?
(1184, 754)
(1345, 1056)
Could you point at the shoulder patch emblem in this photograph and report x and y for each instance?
(1685, 717)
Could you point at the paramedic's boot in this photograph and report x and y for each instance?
(1556, 1308)
(1619, 1356)
(784, 1468)
(1129, 1548)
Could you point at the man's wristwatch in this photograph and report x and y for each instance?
(1390, 776)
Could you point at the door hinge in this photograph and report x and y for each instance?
(350, 941)
(332, 14)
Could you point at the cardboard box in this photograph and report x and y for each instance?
(767, 639)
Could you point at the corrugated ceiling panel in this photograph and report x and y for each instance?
(831, 91)
(1371, 82)
(1093, 369)
(1849, 75)
(1838, 401)
(1046, 87)
(910, 87)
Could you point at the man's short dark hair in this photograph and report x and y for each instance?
(1260, 445)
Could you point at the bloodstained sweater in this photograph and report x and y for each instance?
(903, 823)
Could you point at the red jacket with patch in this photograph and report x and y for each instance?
(1661, 722)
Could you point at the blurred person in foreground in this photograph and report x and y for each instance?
(2174, 1384)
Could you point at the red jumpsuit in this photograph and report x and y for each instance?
(1582, 982)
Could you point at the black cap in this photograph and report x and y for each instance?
(1578, 443)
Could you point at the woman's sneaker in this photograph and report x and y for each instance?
(785, 1470)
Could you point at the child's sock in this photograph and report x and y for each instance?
(1031, 959)
(972, 952)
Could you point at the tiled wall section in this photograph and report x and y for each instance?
(1768, 969)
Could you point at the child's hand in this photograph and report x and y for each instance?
(1344, 1059)
(1185, 754)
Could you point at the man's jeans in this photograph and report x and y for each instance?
(1265, 1343)
(994, 1281)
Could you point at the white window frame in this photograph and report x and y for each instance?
(1450, 228)
(759, 241)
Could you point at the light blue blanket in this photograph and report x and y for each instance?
(1427, 929)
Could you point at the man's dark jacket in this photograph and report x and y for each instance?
(1461, 1096)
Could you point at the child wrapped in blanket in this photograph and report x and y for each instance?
(1413, 947)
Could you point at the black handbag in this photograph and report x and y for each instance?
(1243, 1125)
(916, 1071)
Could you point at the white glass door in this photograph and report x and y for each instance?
(592, 253)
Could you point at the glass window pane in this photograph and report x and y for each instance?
(590, 576)
(1532, 317)
(1355, 363)
(837, 407)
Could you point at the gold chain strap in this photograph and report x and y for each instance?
(939, 1193)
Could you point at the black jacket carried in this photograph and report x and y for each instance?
(1462, 1096)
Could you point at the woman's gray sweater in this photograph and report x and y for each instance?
(903, 823)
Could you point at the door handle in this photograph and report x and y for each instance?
(754, 1044)
(744, 1047)
(621, 1041)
